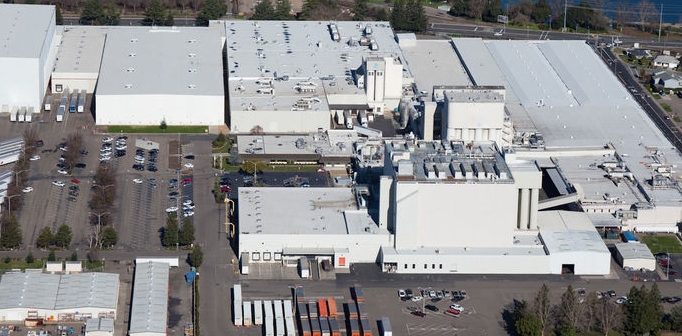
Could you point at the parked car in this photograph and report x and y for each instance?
(27, 190)
(401, 294)
(418, 313)
(431, 308)
(172, 209)
(58, 183)
(34, 158)
(137, 181)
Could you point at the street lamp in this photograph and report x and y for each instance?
(16, 176)
(9, 203)
(99, 223)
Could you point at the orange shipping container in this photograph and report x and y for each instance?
(332, 307)
(322, 306)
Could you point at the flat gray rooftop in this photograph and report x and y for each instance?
(302, 49)
(168, 60)
(443, 162)
(474, 96)
(569, 232)
(249, 95)
(149, 307)
(434, 62)
(332, 143)
(284, 211)
(634, 251)
(37, 290)
(80, 50)
(23, 29)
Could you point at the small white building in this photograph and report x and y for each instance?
(27, 54)
(153, 75)
(666, 61)
(99, 327)
(78, 59)
(668, 79)
(635, 256)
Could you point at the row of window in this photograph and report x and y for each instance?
(426, 266)
(267, 256)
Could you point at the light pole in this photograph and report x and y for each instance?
(16, 176)
(9, 203)
(99, 223)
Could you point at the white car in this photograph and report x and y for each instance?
(107, 139)
(105, 158)
(401, 293)
(27, 189)
(417, 298)
(455, 306)
(188, 214)
(62, 171)
(137, 181)
(189, 165)
(622, 300)
(35, 158)
(188, 207)
(58, 183)
(121, 147)
(172, 209)
(188, 202)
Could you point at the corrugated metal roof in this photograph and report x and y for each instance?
(99, 324)
(149, 311)
(23, 29)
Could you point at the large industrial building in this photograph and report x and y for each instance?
(54, 297)
(27, 53)
(293, 76)
(78, 59)
(154, 75)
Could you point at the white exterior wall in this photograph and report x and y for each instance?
(470, 264)
(362, 248)
(147, 334)
(152, 109)
(640, 263)
(279, 121)
(454, 215)
(658, 219)
(99, 333)
(586, 263)
(477, 121)
(19, 314)
(393, 89)
(74, 81)
(24, 87)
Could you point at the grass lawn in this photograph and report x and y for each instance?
(20, 264)
(156, 129)
(225, 148)
(662, 243)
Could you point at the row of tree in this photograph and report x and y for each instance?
(580, 313)
(61, 238)
(265, 10)
(10, 230)
(177, 236)
(157, 13)
(101, 203)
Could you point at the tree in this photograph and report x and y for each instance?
(252, 167)
(51, 256)
(59, 18)
(568, 312)
(109, 237)
(321, 10)
(186, 236)
(29, 258)
(459, 8)
(170, 233)
(62, 237)
(196, 257)
(163, 124)
(675, 318)
(525, 323)
(608, 315)
(45, 238)
(74, 143)
(542, 307)
(283, 10)
(642, 313)
(211, 10)
(263, 11)
(219, 140)
(476, 8)
(74, 256)
(541, 12)
(398, 15)
(92, 12)
(646, 12)
(491, 10)
(416, 18)
(11, 232)
(360, 10)
(156, 14)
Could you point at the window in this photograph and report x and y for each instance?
(440, 266)
(433, 266)
(413, 266)
(278, 256)
(405, 266)
(59, 88)
(380, 73)
(255, 256)
(266, 256)
(426, 266)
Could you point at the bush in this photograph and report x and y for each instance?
(29, 258)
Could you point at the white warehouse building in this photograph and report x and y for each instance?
(78, 59)
(151, 75)
(149, 307)
(27, 55)
(54, 297)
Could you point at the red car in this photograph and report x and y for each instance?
(187, 180)
(75, 181)
(225, 189)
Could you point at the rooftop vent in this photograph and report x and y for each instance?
(191, 86)
(128, 86)
(134, 40)
(130, 70)
(192, 70)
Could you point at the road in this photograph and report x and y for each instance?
(655, 112)
(491, 32)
